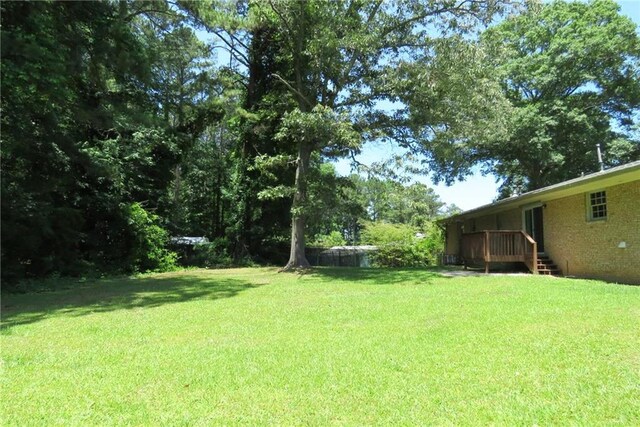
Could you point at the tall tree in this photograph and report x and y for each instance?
(259, 218)
(192, 98)
(343, 57)
(571, 72)
(341, 60)
(255, 50)
(391, 201)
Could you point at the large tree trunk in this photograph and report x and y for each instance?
(297, 258)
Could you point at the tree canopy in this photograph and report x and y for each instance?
(570, 72)
(341, 61)
(98, 107)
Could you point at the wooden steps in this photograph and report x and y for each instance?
(546, 266)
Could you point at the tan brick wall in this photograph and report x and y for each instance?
(590, 248)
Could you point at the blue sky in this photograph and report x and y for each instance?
(476, 190)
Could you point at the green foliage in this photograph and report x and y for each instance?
(105, 98)
(391, 201)
(400, 245)
(570, 73)
(344, 204)
(454, 104)
(331, 205)
(199, 195)
(334, 238)
(68, 85)
(431, 243)
(112, 104)
(571, 69)
(214, 254)
(259, 215)
(148, 251)
(334, 132)
(383, 233)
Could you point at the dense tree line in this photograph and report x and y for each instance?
(122, 127)
(101, 101)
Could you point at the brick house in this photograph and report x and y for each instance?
(585, 227)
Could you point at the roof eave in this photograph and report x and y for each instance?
(617, 175)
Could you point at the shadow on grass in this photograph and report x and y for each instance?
(116, 294)
(379, 276)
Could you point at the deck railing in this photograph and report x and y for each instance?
(500, 246)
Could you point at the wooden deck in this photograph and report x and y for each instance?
(485, 247)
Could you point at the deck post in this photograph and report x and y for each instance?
(487, 252)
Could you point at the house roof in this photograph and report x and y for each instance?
(592, 182)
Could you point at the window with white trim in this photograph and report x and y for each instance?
(597, 205)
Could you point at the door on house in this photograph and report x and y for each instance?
(533, 225)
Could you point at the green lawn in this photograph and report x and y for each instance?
(339, 346)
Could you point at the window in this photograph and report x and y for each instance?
(597, 205)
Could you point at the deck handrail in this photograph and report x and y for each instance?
(500, 246)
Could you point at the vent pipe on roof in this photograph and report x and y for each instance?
(600, 157)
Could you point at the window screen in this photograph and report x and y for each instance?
(598, 205)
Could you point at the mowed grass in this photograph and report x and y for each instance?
(337, 346)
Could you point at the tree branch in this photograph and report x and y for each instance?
(232, 49)
(281, 16)
(356, 53)
(294, 90)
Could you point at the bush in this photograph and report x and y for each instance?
(401, 245)
(148, 250)
(212, 254)
(334, 238)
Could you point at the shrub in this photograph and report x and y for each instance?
(334, 238)
(148, 250)
(213, 254)
(400, 245)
